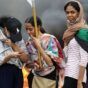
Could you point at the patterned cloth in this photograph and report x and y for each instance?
(5, 50)
(49, 45)
(75, 56)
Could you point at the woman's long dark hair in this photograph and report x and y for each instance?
(73, 4)
(39, 23)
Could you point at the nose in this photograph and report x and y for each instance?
(69, 14)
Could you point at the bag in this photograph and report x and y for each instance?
(41, 82)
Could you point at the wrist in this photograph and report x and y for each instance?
(12, 45)
(79, 82)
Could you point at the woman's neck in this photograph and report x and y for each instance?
(39, 35)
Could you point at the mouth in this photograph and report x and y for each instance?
(71, 20)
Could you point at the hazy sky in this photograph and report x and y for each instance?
(50, 11)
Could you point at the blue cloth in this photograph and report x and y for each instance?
(10, 76)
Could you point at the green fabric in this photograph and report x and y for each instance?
(51, 47)
(83, 34)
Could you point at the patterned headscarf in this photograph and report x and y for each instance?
(72, 28)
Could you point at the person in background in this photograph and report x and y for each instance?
(44, 75)
(75, 45)
(13, 53)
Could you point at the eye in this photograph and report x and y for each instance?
(67, 12)
(72, 12)
(30, 29)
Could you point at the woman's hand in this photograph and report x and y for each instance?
(11, 55)
(79, 85)
(27, 43)
(36, 41)
(8, 42)
(32, 65)
(15, 54)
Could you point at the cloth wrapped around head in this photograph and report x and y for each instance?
(73, 27)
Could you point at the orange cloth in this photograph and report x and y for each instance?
(25, 74)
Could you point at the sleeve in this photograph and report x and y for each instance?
(65, 51)
(2, 57)
(22, 45)
(52, 49)
(84, 57)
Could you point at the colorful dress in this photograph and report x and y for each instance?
(48, 73)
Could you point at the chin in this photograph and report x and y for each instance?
(72, 21)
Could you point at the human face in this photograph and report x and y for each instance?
(72, 13)
(6, 32)
(30, 29)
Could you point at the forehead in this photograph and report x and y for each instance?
(70, 8)
(28, 25)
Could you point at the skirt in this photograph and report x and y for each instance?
(10, 76)
(71, 83)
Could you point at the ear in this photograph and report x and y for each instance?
(5, 28)
(6, 31)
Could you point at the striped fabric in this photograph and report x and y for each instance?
(75, 56)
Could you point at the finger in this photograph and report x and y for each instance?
(21, 52)
(31, 36)
(36, 65)
(27, 43)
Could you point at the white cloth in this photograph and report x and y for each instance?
(4, 50)
(76, 56)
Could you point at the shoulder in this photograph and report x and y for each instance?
(82, 31)
(83, 34)
(46, 35)
(73, 43)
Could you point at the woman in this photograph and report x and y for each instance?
(13, 53)
(75, 45)
(41, 76)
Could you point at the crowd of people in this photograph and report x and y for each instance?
(49, 65)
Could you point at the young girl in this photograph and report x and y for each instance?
(13, 53)
(44, 76)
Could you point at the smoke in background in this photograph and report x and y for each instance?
(50, 11)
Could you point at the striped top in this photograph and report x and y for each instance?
(76, 56)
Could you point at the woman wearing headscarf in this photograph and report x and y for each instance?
(75, 45)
